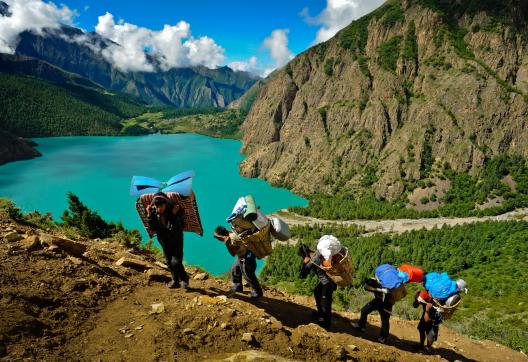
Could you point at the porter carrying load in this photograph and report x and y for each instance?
(254, 229)
(391, 282)
(179, 192)
(445, 292)
(337, 263)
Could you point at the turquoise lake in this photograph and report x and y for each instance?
(99, 170)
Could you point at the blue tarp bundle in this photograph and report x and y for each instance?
(440, 285)
(181, 184)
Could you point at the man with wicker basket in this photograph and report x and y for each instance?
(245, 265)
(166, 220)
(312, 261)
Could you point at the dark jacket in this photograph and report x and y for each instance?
(314, 265)
(172, 230)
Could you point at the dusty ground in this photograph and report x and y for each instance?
(71, 301)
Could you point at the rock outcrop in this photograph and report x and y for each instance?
(14, 148)
(413, 85)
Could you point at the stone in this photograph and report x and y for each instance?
(157, 308)
(201, 276)
(74, 260)
(205, 299)
(340, 352)
(69, 246)
(136, 264)
(12, 236)
(129, 335)
(31, 243)
(155, 275)
(224, 326)
(188, 331)
(353, 348)
(249, 338)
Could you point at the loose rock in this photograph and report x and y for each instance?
(248, 338)
(353, 348)
(201, 276)
(12, 236)
(133, 263)
(157, 308)
(71, 247)
(31, 243)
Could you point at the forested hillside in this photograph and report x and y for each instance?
(31, 107)
(502, 186)
(490, 256)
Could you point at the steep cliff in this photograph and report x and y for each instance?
(395, 96)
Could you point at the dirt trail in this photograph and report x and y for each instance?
(401, 225)
(70, 300)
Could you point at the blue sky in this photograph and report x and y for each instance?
(238, 26)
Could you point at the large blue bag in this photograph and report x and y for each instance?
(440, 285)
(388, 276)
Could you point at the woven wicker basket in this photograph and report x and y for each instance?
(258, 242)
(191, 215)
(341, 271)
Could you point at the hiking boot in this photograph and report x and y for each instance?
(236, 288)
(321, 321)
(382, 340)
(184, 285)
(356, 325)
(173, 284)
(427, 350)
(255, 295)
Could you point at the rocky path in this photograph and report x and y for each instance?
(401, 225)
(88, 300)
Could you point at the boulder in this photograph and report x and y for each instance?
(157, 308)
(31, 243)
(136, 264)
(69, 246)
(249, 338)
(353, 348)
(12, 236)
(201, 276)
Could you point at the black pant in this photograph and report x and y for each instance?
(173, 250)
(384, 308)
(427, 329)
(323, 300)
(245, 267)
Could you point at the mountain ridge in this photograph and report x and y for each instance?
(80, 52)
(392, 98)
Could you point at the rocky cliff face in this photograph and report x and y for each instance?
(396, 94)
(14, 148)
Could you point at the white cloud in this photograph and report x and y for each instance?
(337, 15)
(32, 15)
(277, 44)
(174, 46)
(249, 65)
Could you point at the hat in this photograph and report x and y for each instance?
(462, 285)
